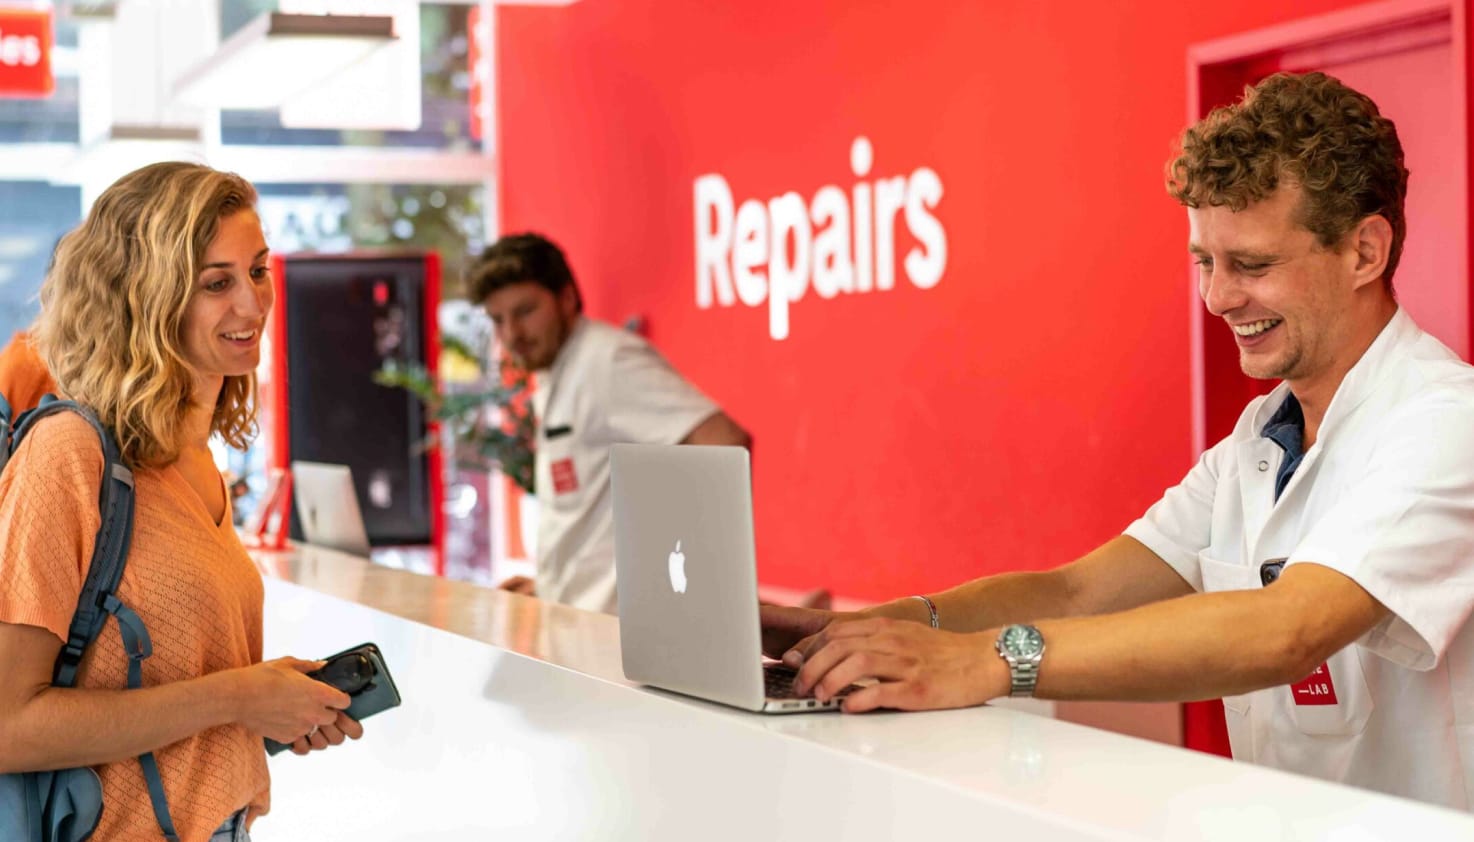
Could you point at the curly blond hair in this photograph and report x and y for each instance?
(1308, 128)
(113, 305)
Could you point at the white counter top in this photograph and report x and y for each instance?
(517, 723)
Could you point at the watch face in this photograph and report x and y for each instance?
(1023, 641)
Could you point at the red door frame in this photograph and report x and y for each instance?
(1203, 723)
(274, 397)
(1302, 36)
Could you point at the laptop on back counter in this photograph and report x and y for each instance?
(327, 507)
(686, 564)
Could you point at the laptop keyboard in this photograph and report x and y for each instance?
(778, 682)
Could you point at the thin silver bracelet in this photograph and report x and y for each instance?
(930, 607)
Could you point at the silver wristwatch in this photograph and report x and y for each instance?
(1023, 648)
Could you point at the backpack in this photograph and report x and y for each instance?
(65, 805)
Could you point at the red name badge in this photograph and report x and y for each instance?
(1315, 689)
(565, 479)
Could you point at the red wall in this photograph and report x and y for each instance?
(1025, 408)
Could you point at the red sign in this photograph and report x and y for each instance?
(25, 53)
(1315, 689)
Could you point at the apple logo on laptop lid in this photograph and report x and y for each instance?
(678, 569)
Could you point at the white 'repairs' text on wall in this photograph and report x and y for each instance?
(837, 243)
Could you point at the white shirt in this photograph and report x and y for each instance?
(1386, 497)
(607, 385)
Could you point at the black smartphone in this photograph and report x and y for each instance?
(359, 672)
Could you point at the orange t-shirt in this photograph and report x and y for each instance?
(188, 578)
(24, 377)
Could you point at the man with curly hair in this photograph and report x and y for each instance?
(1316, 567)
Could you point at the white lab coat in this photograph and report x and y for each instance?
(607, 385)
(1385, 497)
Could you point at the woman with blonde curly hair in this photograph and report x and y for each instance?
(152, 316)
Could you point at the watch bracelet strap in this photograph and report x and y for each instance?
(1024, 678)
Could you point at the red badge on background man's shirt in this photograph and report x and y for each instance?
(1315, 689)
(565, 479)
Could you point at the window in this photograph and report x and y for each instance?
(33, 216)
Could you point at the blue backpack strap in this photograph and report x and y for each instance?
(139, 646)
(11, 422)
(156, 795)
(6, 425)
(104, 573)
(110, 549)
(32, 786)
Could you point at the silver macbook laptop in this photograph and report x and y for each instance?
(687, 573)
(327, 507)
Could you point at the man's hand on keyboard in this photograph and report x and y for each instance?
(913, 666)
(787, 628)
